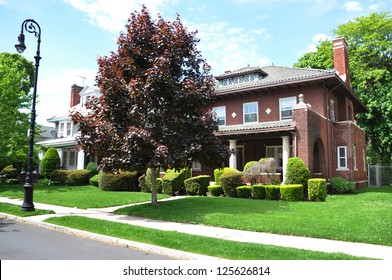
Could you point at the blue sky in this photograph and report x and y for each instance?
(233, 34)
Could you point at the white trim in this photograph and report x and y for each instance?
(342, 167)
(294, 98)
(257, 112)
(224, 111)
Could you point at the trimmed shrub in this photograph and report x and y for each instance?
(215, 190)
(272, 192)
(297, 173)
(230, 181)
(317, 189)
(292, 192)
(248, 164)
(78, 177)
(197, 185)
(49, 162)
(262, 172)
(93, 168)
(173, 181)
(258, 191)
(219, 171)
(340, 185)
(59, 176)
(94, 180)
(159, 185)
(124, 181)
(244, 191)
(9, 172)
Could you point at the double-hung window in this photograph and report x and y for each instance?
(286, 107)
(251, 112)
(342, 157)
(220, 114)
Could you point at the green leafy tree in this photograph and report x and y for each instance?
(152, 112)
(369, 40)
(16, 80)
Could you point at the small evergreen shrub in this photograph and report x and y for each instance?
(229, 182)
(297, 173)
(93, 168)
(219, 171)
(78, 177)
(197, 185)
(292, 192)
(248, 164)
(215, 190)
(9, 172)
(59, 176)
(244, 191)
(173, 181)
(317, 189)
(272, 192)
(124, 181)
(159, 185)
(94, 180)
(49, 162)
(258, 191)
(340, 185)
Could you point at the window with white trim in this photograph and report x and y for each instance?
(286, 107)
(342, 157)
(220, 114)
(251, 112)
(65, 129)
(196, 165)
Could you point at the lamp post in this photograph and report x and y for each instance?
(30, 26)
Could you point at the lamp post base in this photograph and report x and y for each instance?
(28, 205)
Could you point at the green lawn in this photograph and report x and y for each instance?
(15, 210)
(196, 244)
(80, 196)
(362, 217)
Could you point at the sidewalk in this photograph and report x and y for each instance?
(323, 245)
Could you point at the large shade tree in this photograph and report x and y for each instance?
(369, 40)
(16, 80)
(153, 109)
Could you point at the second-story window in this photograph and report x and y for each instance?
(220, 114)
(65, 129)
(286, 107)
(251, 112)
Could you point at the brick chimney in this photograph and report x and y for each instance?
(75, 97)
(340, 59)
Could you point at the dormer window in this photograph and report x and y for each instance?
(65, 129)
(240, 79)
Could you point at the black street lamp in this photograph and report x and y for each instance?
(30, 26)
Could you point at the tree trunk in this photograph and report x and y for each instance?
(154, 196)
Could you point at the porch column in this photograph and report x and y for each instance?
(285, 153)
(233, 157)
(80, 159)
(61, 155)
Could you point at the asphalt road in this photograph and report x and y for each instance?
(19, 241)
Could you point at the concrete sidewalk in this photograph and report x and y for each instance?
(315, 244)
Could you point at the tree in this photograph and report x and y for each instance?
(152, 111)
(369, 40)
(16, 80)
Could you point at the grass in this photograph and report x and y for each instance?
(196, 244)
(362, 217)
(15, 210)
(80, 196)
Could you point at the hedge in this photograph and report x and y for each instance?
(197, 185)
(229, 182)
(244, 191)
(173, 181)
(92, 167)
(94, 180)
(59, 176)
(124, 181)
(340, 185)
(292, 192)
(272, 192)
(317, 189)
(258, 191)
(78, 177)
(215, 190)
(297, 173)
(219, 171)
(9, 172)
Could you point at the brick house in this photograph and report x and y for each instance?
(271, 111)
(282, 112)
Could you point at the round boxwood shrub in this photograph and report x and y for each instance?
(272, 192)
(229, 182)
(197, 185)
(93, 168)
(292, 192)
(340, 185)
(215, 190)
(124, 181)
(297, 173)
(258, 191)
(59, 176)
(49, 162)
(248, 164)
(9, 172)
(78, 177)
(244, 191)
(317, 189)
(219, 171)
(94, 181)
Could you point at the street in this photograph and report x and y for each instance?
(20, 241)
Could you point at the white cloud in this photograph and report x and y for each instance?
(3, 2)
(316, 40)
(353, 6)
